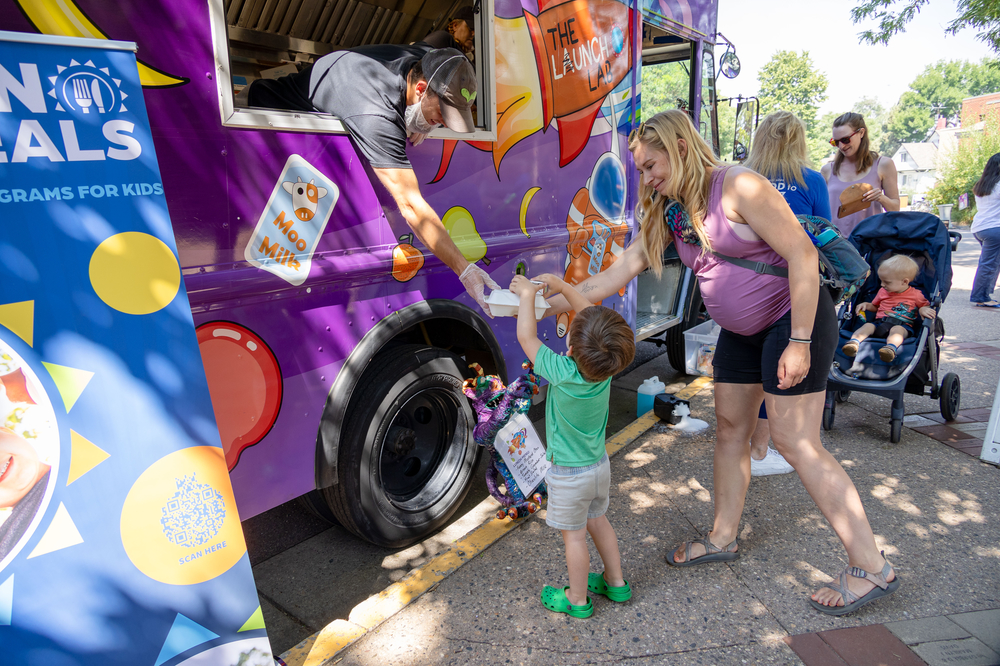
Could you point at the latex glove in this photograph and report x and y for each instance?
(475, 280)
(416, 138)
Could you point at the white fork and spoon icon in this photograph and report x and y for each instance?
(87, 95)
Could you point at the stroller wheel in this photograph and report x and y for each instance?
(896, 431)
(951, 396)
(843, 395)
(829, 414)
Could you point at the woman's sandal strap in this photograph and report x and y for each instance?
(879, 579)
(710, 548)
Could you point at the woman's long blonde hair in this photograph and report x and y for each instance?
(689, 181)
(864, 157)
(779, 148)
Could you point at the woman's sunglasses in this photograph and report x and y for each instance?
(637, 132)
(846, 140)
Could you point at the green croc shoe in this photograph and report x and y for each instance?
(555, 600)
(597, 585)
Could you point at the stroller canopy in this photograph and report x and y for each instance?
(909, 233)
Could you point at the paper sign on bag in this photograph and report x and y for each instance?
(522, 450)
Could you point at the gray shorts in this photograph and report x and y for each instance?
(577, 494)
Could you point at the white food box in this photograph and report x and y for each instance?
(504, 303)
(699, 348)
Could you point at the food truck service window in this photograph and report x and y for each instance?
(255, 39)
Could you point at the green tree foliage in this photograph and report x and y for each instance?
(938, 90)
(893, 15)
(959, 169)
(820, 150)
(727, 128)
(665, 86)
(875, 118)
(789, 82)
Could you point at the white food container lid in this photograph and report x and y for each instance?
(504, 303)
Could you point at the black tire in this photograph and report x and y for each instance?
(951, 396)
(843, 395)
(829, 414)
(695, 314)
(407, 455)
(895, 430)
(675, 348)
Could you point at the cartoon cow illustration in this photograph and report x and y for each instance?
(305, 196)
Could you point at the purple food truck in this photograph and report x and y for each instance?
(334, 343)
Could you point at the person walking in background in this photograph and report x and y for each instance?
(777, 341)
(781, 155)
(986, 229)
(861, 182)
(601, 344)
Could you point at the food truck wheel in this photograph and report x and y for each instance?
(407, 455)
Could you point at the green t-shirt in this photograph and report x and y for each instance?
(576, 411)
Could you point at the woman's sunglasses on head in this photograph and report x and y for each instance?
(846, 140)
(637, 132)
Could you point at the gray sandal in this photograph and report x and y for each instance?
(853, 602)
(712, 553)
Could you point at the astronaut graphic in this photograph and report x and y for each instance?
(518, 441)
(596, 223)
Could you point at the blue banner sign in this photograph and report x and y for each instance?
(120, 542)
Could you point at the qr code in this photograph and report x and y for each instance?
(195, 513)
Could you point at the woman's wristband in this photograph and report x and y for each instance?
(803, 341)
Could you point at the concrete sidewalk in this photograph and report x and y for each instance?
(934, 507)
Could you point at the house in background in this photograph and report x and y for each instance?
(916, 166)
(916, 163)
(976, 109)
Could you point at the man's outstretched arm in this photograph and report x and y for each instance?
(402, 185)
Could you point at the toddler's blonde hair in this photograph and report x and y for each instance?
(899, 266)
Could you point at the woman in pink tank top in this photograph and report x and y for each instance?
(777, 341)
(855, 164)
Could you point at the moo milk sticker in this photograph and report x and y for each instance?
(293, 221)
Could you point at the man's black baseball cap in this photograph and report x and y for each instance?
(451, 77)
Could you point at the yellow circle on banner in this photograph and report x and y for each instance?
(179, 523)
(135, 273)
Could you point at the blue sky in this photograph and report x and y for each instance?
(759, 28)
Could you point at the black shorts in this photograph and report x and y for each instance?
(753, 359)
(885, 324)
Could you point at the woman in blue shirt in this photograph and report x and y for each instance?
(780, 154)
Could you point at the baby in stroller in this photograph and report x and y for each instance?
(901, 364)
(897, 306)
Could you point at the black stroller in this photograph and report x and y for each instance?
(925, 239)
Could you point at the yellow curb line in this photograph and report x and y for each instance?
(376, 609)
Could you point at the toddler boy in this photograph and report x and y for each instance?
(898, 305)
(601, 344)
